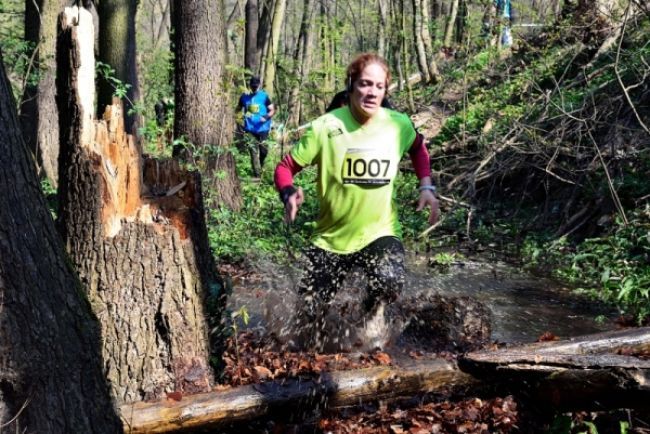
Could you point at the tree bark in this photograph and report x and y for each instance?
(272, 53)
(203, 112)
(51, 376)
(301, 57)
(38, 114)
(461, 22)
(428, 44)
(405, 58)
(436, 9)
(263, 32)
(383, 26)
(420, 50)
(332, 389)
(451, 20)
(136, 234)
(117, 46)
(251, 60)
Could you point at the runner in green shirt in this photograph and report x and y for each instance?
(357, 149)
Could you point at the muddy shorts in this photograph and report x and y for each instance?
(382, 261)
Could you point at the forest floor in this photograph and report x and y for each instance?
(256, 357)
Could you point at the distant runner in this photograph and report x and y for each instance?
(257, 110)
(357, 149)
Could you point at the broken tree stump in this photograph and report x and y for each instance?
(578, 374)
(330, 390)
(135, 232)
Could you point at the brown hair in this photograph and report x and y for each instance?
(360, 62)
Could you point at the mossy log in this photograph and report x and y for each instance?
(332, 389)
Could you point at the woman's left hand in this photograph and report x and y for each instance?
(428, 198)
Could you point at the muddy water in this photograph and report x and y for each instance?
(523, 306)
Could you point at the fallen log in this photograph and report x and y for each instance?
(330, 390)
(578, 374)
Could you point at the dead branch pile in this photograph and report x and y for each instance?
(582, 140)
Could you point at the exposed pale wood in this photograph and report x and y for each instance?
(582, 373)
(596, 343)
(135, 233)
(542, 361)
(332, 389)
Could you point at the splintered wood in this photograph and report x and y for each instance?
(135, 232)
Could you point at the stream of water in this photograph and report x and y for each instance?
(523, 306)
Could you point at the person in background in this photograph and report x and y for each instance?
(357, 149)
(257, 110)
(506, 16)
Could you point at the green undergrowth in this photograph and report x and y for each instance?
(613, 267)
(258, 230)
(501, 93)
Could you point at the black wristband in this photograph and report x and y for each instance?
(286, 192)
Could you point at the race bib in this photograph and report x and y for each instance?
(367, 167)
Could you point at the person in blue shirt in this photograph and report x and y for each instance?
(257, 110)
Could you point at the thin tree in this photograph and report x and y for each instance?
(428, 42)
(461, 21)
(420, 49)
(38, 115)
(251, 59)
(451, 21)
(51, 376)
(265, 10)
(382, 8)
(117, 49)
(301, 56)
(272, 52)
(203, 111)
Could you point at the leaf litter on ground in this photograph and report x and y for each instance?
(254, 359)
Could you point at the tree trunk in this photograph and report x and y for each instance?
(136, 234)
(117, 49)
(428, 44)
(451, 20)
(251, 61)
(38, 115)
(203, 112)
(263, 32)
(383, 26)
(420, 50)
(51, 375)
(461, 21)
(272, 54)
(405, 58)
(436, 9)
(398, 46)
(331, 390)
(301, 57)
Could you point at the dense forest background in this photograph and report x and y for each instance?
(537, 125)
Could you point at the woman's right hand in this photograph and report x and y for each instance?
(292, 205)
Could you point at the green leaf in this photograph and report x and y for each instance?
(624, 427)
(561, 425)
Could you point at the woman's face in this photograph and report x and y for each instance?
(368, 92)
